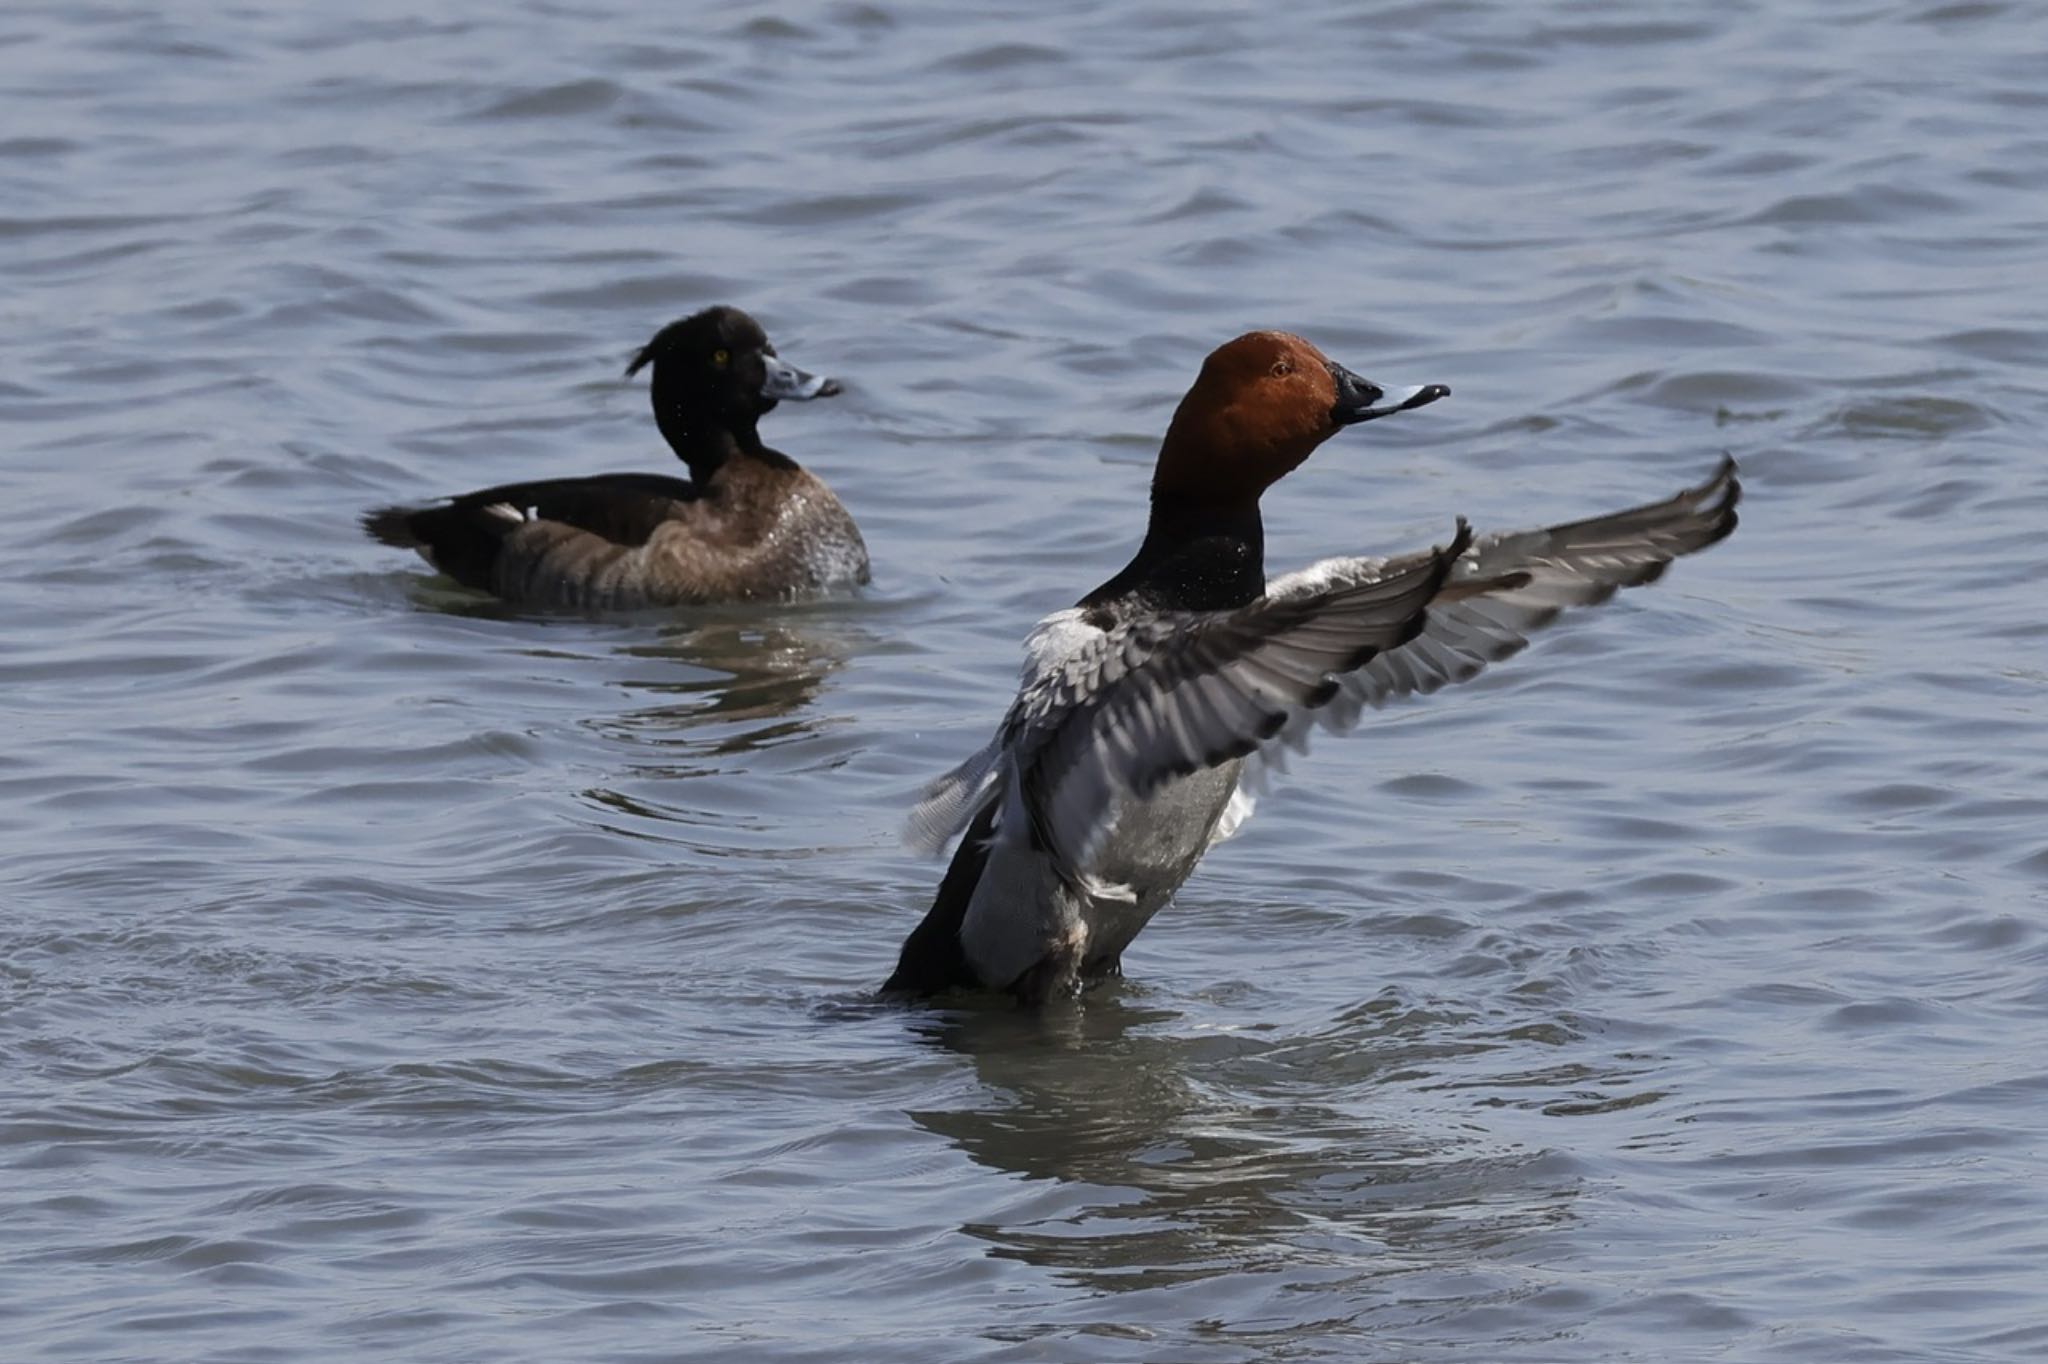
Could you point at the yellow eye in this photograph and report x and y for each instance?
(719, 359)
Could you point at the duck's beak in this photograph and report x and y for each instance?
(787, 381)
(1360, 400)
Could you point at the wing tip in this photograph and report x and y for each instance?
(1461, 540)
(1714, 503)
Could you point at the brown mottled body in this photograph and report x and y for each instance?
(758, 531)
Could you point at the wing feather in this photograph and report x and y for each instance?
(945, 807)
(1507, 586)
(1193, 691)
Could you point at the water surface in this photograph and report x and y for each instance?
(386, 974)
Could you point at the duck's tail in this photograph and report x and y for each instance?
(933, 960)
(393, 526)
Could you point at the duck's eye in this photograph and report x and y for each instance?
(1282, 368)
(720, 359)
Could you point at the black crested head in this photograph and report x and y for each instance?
(718, 367)
(700, 336)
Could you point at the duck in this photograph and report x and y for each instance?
(1150, 712)
(749, 523)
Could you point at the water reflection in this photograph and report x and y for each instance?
(729, 686)
(744, 670)
(728, 700)
(1185, 1157)
(701, 727)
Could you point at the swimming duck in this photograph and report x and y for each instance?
(749, 522)
(1147, 709)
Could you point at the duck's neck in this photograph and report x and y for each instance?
(1197, 556)
(706, 442)
(707, 449)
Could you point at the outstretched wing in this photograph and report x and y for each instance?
(1505, 587)
(1161, 697)
(1118, 712)
(1109, 713)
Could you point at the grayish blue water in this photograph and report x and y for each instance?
(384, 974)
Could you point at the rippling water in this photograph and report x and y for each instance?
(384, 974)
